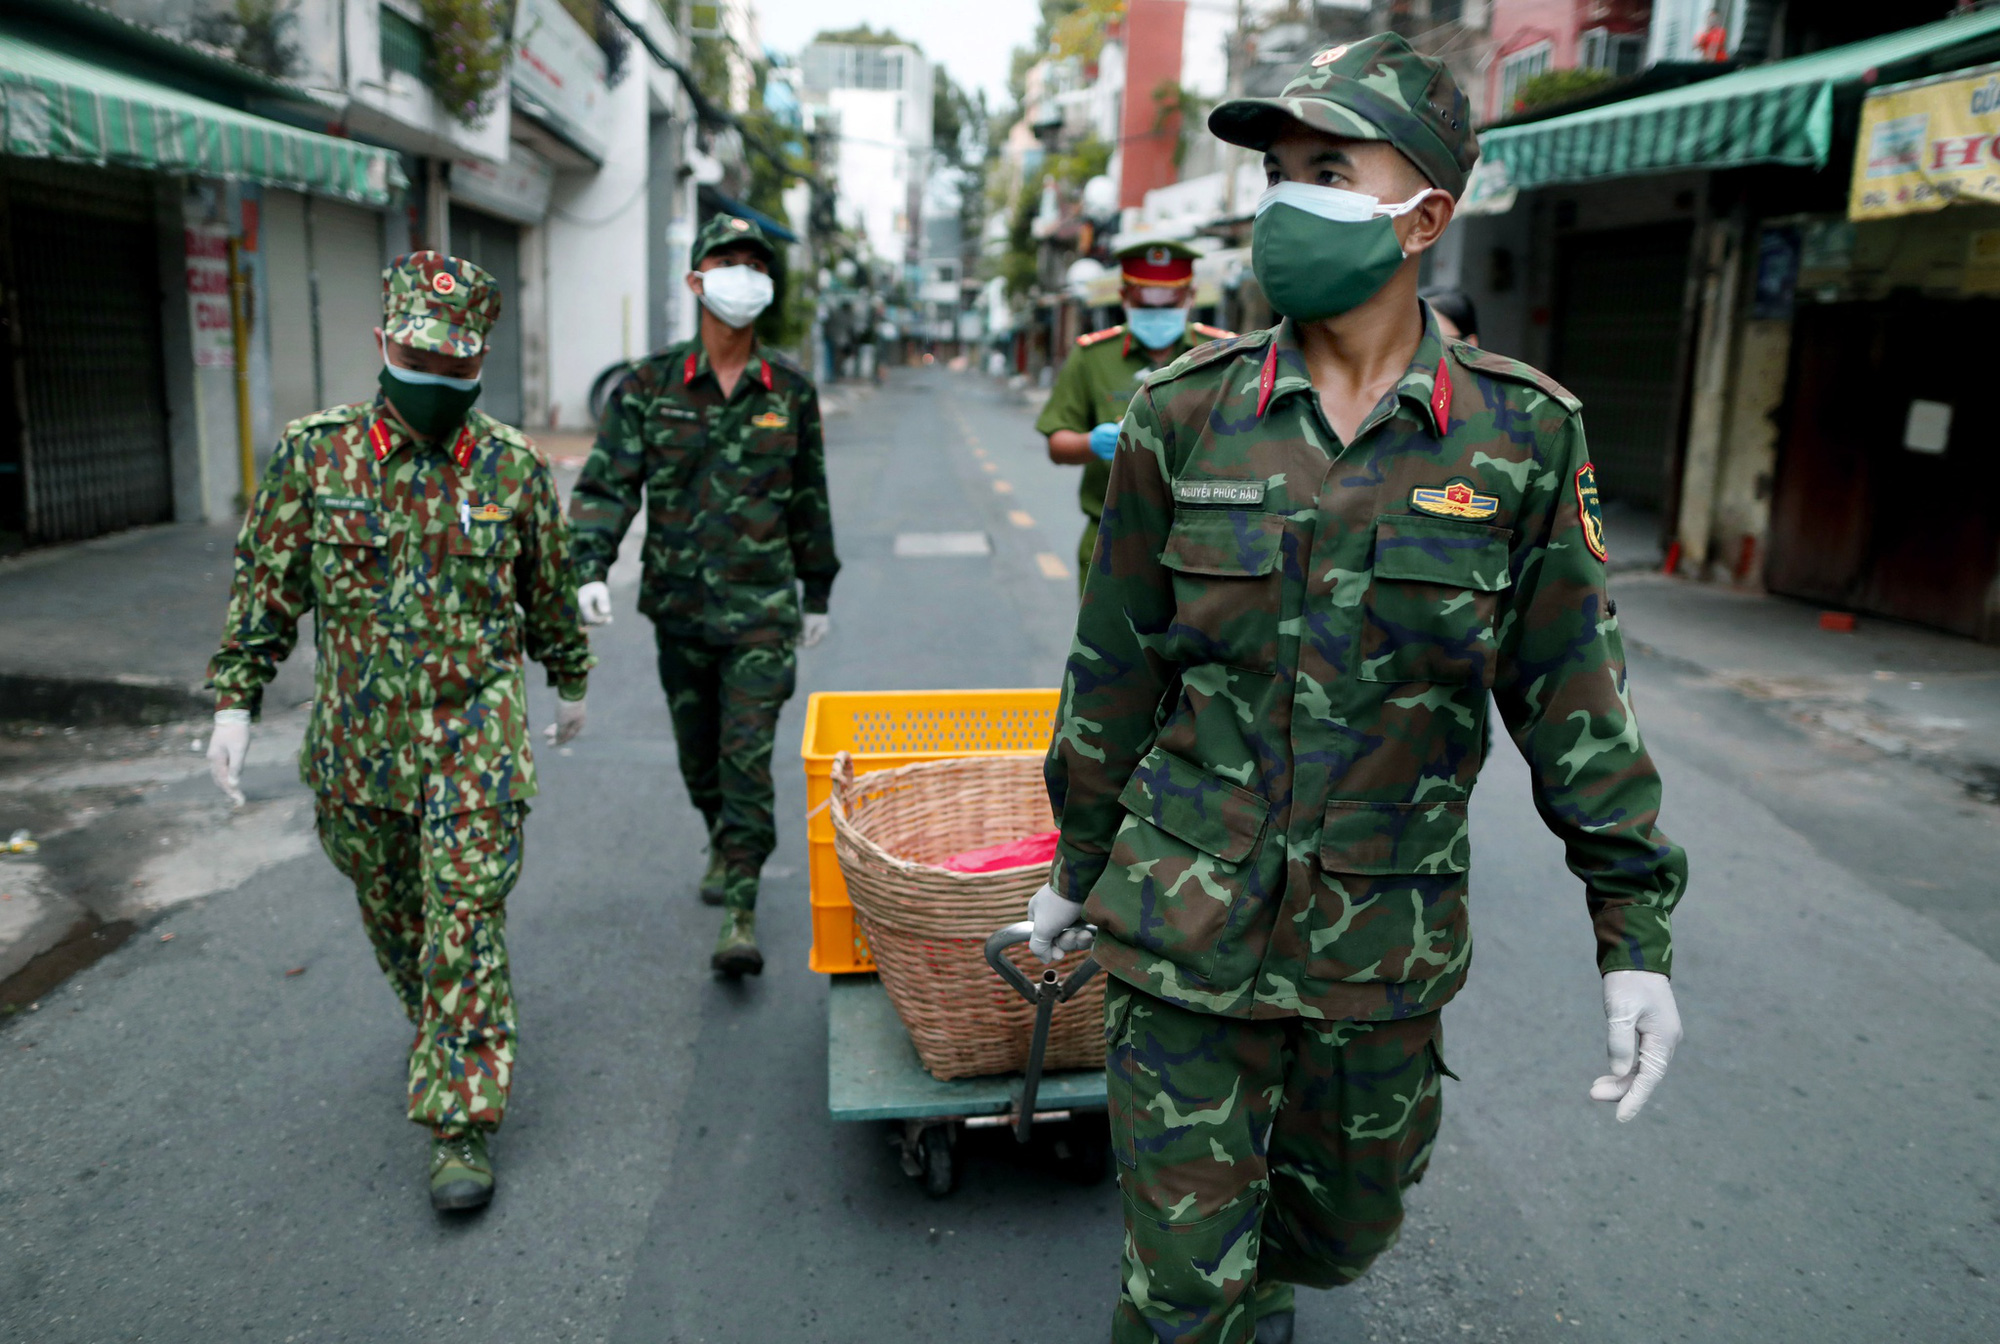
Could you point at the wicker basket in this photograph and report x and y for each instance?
(929, 926)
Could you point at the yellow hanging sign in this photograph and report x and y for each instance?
(1928, 143)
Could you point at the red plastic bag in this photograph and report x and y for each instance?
(1013, 854)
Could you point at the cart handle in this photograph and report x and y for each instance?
(1031, 990)
(1045, 994)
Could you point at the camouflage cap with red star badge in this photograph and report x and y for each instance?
(1379, 88)
(729, 231)
(442, 304)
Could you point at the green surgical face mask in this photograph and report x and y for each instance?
(430, 403)
(1320, 251)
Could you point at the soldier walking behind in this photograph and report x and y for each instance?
(723, 439)
(1323, 545)
(1106, 368)
(427, 540)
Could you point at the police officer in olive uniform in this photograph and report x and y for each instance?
(1102, 373)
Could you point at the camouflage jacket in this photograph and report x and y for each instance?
(429, 573)
(735, 493)
(1275, 706)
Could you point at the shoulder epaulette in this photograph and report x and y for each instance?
(503, 433)
(780, 360)
(1514, 371)
(1207, 332)
(1213, 352)
(1093, 337)
(330, 418)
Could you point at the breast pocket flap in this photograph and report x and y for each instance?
(349, 527)
(1231, 543)
(1386, 838)
(1196, 806)
(1442, 550)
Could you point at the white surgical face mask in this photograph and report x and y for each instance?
(735, 294)
(1342, 207)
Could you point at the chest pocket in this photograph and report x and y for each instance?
(1226, 585)
(479, 567)
(350, 557)
(1432, 600)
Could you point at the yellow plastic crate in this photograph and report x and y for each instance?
(885, 729)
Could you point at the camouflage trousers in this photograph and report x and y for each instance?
(1257, 1154)
(433, 893)
(725, 700)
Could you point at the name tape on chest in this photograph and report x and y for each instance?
(1455, 500)
(1218, 492)
(340, 502)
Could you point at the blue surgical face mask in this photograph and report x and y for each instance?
(1156, 328)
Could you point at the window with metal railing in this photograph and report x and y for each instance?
(405, 45)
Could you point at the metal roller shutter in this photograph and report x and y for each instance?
(86, 273)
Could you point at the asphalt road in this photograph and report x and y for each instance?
(201, 1137)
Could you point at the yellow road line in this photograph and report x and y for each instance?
(991, 468)
(1051, 565)
(1020, 518)
(1002, 488)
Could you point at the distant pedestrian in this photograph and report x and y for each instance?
(427, 541)
(721, 438)
(1457, 319)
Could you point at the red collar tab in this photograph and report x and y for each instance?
(764, 372)
(378, 439)
(1125, 346)
(1441, 398)
(687, 370)
(461, 452)
(1268, 379)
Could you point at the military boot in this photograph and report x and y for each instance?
(1273, 1303)
(461, 1171)
(711, 881)
(736, 949)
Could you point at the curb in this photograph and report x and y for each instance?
(124, 699)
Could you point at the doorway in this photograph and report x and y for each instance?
(495, 245)
(1619, 299)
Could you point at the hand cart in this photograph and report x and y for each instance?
(873, 1074)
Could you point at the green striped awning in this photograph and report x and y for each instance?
(54, 105)
(1781, 113)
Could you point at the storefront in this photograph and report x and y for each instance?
(134, 366)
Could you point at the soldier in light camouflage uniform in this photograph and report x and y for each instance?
(722, 438)
(1323, 545)
(427, 541)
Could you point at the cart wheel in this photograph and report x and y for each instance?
(936, 1156)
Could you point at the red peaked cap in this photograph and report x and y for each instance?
(1158, 265)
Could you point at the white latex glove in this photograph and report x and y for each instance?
(227, 747)
(1058, 925)
(1645, 1027)
(593, 601)
(569, 722)
(818, 625)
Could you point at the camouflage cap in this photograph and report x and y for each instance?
(443, 304)
(723, 230)
(1376, 89)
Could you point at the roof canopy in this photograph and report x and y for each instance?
(61, 106)
(1781, 113)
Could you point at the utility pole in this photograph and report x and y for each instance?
(1238, 59)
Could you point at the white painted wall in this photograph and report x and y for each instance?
(595, 257)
